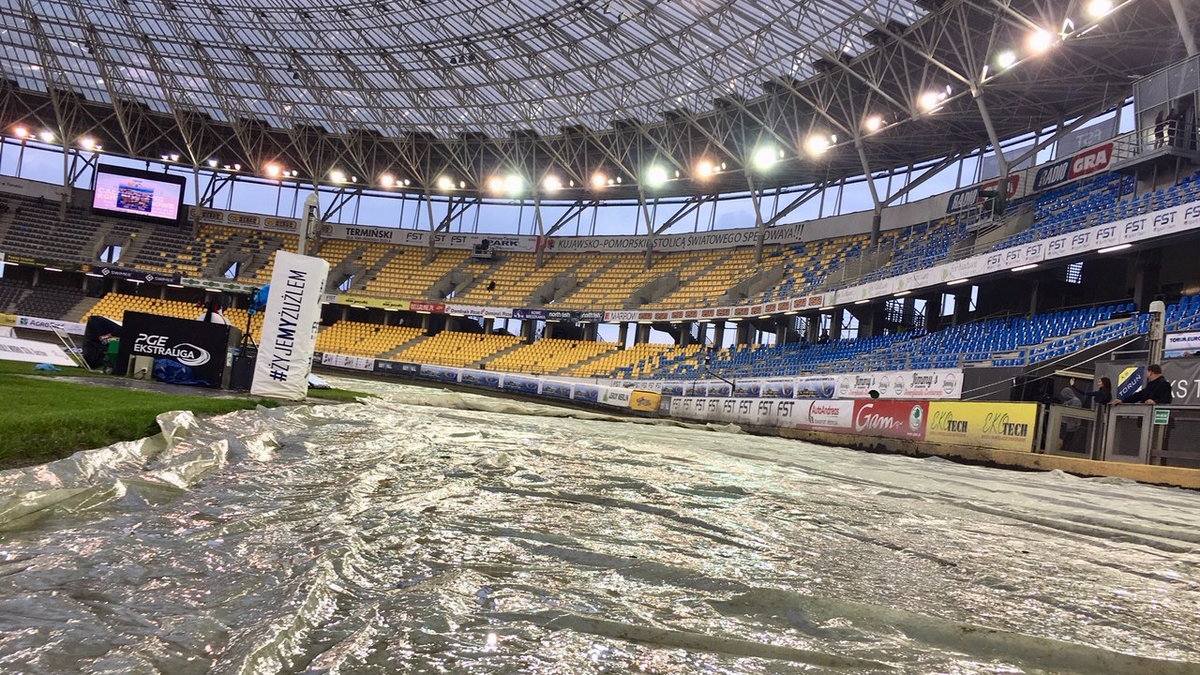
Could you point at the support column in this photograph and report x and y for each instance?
(623, 334)
(685, 334)
(549, 332)
(812, 328)
(933, 311)
(835, 324)
(489, 325)
(781, 333)
(962, 306)
(529, 330)
(1185, 28)
(642, 334)
(702, 333)
(1145, 278)
(719, 334)
(745, 333)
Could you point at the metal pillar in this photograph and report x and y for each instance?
(1185, 29)
(623, 334)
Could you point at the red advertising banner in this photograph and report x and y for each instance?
(890, 419)
(430, 307)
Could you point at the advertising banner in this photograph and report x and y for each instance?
(969, 197)
(397, 367)
(556, 389)
(521, 384)
(1182, 345)
(1085, 163)
(815, 387)
(902, 384)
(109, 272)
(290, 326)
(1006, 426)
(427, 307)
(35, 323)
(825, 415)
(778, 387)
(1129, 377)
(482, 378)
(440, 373)
(616, 396)
(347, 361)
(588, 393)
(890, 419)
(32, 351)
(645, 401)
(202, 347)
(372, 301)
(534, 314)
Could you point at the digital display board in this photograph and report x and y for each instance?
(139, 194)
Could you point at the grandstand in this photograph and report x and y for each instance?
(671, 287)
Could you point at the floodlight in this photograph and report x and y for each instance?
(764, 158)
(656, 176)
(599, 180)
(444, 183)
(1099, 9)
(337, 176)
(1039, 41)
(873, 123)
(1006, 59)
(387, 180)
(552, 183)
(21, 131)
(704, 169)
(272, 170)
(87, 143)
(816, 144)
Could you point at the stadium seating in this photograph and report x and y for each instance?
(363, 339)
(114, 306)
(460, 350)
(633, 362)
(549, 356)
(1010, 341)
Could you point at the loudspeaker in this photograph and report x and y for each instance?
(241, 375)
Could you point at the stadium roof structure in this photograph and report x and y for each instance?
(580, 98)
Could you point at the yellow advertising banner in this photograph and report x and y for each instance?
(1004, 426)
(8, 319)
(646, 401)
(369, 301)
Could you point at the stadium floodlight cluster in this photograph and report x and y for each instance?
(868, 99)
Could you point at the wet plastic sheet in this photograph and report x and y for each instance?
(434, 531)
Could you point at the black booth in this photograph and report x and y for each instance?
(205, 348)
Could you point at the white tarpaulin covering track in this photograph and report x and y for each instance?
(473, 535)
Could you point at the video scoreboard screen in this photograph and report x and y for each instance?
(141, 194)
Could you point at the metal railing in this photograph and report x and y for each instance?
(1135, 434)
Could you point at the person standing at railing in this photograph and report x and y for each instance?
(1156, 391)
(1160, 129)
(1102, 395)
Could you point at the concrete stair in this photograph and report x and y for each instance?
(567, 370)
(411, 343)
(487, 361)
(80, 309)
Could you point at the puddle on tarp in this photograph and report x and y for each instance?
(431, 531)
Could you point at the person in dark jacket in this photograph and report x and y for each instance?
(1156, 391)
(1102, 395)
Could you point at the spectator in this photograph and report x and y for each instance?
(491, 286)
(824, 337)
(1102, 395)
(1156, 391)
(1173, 120)
(1160, 129)
(1067, 435)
